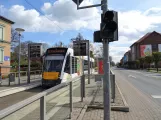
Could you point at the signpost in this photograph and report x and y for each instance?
(34, 53)
(81, 48)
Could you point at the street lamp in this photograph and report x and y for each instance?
(19, 30)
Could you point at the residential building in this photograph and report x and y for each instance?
(5, 44)
(151, 42)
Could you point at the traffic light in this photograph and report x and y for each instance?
(109, 26)
(97, 37)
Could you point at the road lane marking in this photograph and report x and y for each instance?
(135, 71)
(156, 96)
(132, 76)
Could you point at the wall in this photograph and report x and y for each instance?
(5, 66)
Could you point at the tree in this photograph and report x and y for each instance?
(15, 39)
(91, 54)
(137, 62)
(149, 60)
(60, 44)
(24, 48)
(45, 46)
(157, 58)
(77, 38)
(142, 60)
(112, 63)
(98, 51)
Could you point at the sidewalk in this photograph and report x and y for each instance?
(92, 106)
(141, 106)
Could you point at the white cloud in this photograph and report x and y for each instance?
(134, 22)
(117, 52)
(124, 40)
(59, 17)
(64, 15)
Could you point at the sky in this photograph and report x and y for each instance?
(51, 21)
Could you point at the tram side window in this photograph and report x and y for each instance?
(76, 65)
(67, 65)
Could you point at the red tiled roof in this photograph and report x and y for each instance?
(5, 19)
(144, 37)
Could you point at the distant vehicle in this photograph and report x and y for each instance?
(56, 66)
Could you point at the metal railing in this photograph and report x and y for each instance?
(42, 97)
(99, 77)
(23, 73)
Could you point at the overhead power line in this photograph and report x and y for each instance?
(43, 14)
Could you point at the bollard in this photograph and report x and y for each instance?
(42, 108)
(70, 99)
(113, 86)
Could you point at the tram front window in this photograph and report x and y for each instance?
(53, 65)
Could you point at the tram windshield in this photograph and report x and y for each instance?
(53, 63)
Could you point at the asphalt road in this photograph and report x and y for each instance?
(146, 82)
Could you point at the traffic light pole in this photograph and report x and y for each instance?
(106, 64)
(106, 67)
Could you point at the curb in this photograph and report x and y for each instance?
(113, 108)
(13, 90)
(124, 101)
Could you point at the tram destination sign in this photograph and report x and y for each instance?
(51, 51)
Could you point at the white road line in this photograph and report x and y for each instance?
(156, 96)
(132, 76)
(135, 71)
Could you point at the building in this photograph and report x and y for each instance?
(151, 42)
(5, 44)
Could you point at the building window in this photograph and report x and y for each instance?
(1, 55)
(67, 65)
(1, 32)
(154, 47)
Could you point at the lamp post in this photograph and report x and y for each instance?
(19, 30)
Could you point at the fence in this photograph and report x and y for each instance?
(12, 76)
(22, 73)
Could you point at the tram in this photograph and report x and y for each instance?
(56, 66)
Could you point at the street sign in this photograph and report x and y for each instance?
(80, 48)
(80, 1)
(35, 50)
